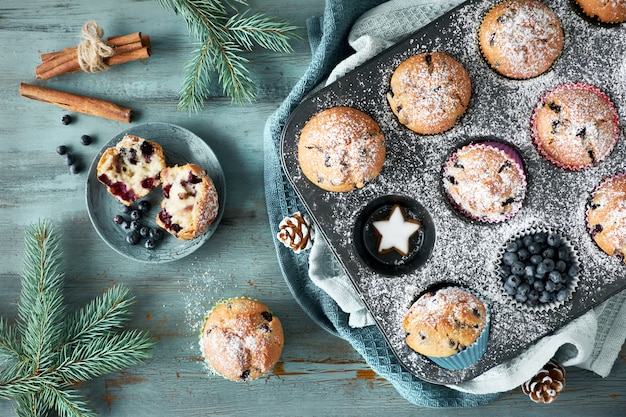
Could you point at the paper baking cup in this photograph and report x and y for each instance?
(471, 354)
(602, 183)
(547, 96)
(572, 285)
(513, 156)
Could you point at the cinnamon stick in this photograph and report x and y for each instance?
(128, 48)
(76, 102)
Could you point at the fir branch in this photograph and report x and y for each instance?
(41, 309)
(103, 355)
(106, 313)
(224, 35)
(43, 355)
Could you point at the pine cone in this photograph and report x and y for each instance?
(547, 384)
(296, 232)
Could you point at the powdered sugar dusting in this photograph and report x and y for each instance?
(465, 252)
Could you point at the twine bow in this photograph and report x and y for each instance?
(93, 50)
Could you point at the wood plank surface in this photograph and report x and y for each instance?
(318, 374)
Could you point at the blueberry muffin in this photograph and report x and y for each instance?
(131, 169)
(429, 92)
(520, 39)
(485, 181)
(607, 11)
(445, 323)
(190, 201)
(341, 149)
(241, 339)
(575, 126)
(606, 216)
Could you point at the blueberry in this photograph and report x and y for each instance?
(132, 237)
(536, 259)
(85, 140)
(126, 209)
(125, 224)
(74, 169)
(549, 263)
(562, 295)
(564, 253)
(553, 239)
(555, 276)
(523, 254)
(156, 234)
(150, 244)
(61, 149)
(532, 303)
(550, 286)
(560, 265)
(540, 237)
(118, 219)
(517, 268)
(512, 246)
(66, 119)
(143, 205)
(135, 214)
(542, 269)
(505, 270)
(534, 248)
(144, 231)
(533, 295)
(520, 297)
(545, 297)
(513, 281)
(539, 285)
(573, 270)
(528, 239)
(510, 290)
(548, 253)
(69, 159)
(523, 288)
(509, 258)
(529, 271)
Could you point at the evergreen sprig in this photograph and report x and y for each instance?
(47, 352)
(223, 35)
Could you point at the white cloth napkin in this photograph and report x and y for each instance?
(591, 342)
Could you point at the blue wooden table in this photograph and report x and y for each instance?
(318, 374)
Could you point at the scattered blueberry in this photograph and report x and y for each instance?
(74, 168)
(135, 214)
(61, 149)
(66, 119)
(132, 237)
(143, 205)
(85, 140)
(156, 234)
(118, 219)
(69, 159)
(538, 269)
(135, 225)
(144, 231)
(150, 244)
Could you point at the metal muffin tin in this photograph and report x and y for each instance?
(464, 252)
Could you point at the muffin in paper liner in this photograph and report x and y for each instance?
(491, 199)
(575, 126)
(520, 39)
(606, 215)
(611, 12)
(543, 292)
(442, 350)
(241, 339)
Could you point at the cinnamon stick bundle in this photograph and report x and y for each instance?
(77, 103)
(128, 48)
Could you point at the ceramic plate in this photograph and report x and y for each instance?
(180, 146)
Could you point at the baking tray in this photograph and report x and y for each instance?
(465, 252)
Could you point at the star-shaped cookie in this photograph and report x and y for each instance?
(395, 231)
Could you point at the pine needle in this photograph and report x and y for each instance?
(46, 353)
(224, 35)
